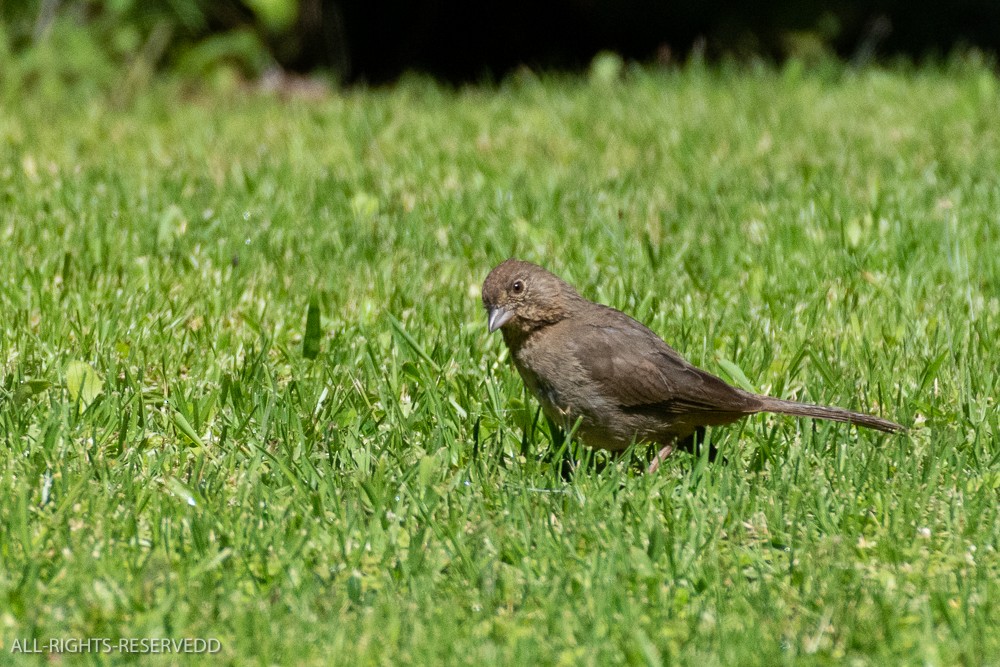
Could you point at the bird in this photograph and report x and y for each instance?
(609, 379)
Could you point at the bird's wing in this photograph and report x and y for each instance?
(643, 374)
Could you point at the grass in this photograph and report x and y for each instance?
(174, 466)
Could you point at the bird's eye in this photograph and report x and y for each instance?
(517, 287)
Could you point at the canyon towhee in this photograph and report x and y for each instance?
(596, 368)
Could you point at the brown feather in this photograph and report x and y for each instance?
(597, 369)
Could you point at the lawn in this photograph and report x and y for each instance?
(247, 391)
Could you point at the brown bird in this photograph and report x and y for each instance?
(595, 368)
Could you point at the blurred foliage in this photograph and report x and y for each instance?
(48, 46)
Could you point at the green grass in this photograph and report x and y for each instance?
(173, 466)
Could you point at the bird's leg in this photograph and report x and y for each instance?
(566, 469)
(556, 431)
(660, 458)
(560, 450)
(690, 443)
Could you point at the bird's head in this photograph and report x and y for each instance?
(521, 296)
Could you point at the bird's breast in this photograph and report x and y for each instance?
(539, 385)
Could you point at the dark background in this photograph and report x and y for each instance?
(483, 40)
(462, 40)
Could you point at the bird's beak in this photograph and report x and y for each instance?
(499, 316)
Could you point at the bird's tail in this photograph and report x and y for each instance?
(822, 412)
